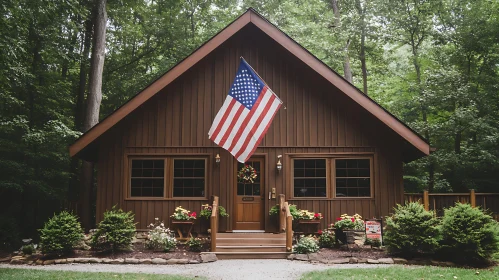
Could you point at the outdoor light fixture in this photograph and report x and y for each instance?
(279, 164)
(217, 159)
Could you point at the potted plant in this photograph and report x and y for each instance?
(183, 220)
(205, 214)
(182, 214)
(346, 227)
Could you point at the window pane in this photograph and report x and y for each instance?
(147, 178)
(353, 178)
(188, 177)
(309, 178)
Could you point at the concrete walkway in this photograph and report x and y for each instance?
(219, 270)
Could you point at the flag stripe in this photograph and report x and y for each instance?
(226, 122)
(217, 126)
(252, 136)
(231, 135)
(263, 130)
(242, 131)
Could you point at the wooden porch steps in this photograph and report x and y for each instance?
(251, 246)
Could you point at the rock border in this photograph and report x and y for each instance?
(19, 260)
(315, 258)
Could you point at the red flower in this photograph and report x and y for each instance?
(353, 220)
(193, 214)
(339, 219)
(319, 232)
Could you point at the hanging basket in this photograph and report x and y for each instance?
(247, 174)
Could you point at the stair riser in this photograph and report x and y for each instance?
(260, 256)
(249, 242)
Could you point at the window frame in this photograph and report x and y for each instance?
(168, 176)
(330, 175)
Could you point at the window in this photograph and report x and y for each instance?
(188, 177)
(348, 177)
(167, 178)
(310, 178)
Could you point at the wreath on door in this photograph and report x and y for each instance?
(247, 174)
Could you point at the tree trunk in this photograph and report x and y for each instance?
(347, 70)
(362, 14)
(336, 11)
(93, 106)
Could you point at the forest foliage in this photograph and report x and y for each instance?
(432, 63)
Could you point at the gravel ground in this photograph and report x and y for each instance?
(219, 270)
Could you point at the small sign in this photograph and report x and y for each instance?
(248, 198)
(373, 229)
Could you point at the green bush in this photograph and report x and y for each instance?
(115, 232)
(194, 244)
(468, 234)
(373, 242)
(411, 230)
(160, 237)
(327, 239)
(306, 244)
(28, 249)
(60, 234)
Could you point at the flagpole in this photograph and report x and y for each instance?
(262, 80)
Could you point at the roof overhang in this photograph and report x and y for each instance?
(285, 41)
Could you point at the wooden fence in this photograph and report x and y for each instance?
(439, 201)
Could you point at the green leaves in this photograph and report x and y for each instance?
(60, 234)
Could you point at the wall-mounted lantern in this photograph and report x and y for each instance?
(217, 159)
(279, 164)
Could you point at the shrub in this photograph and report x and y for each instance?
(160, 237)
(411, 230)
(374, 242)
(194, 244)
(326, 239)
(115, 231)
(306, 244)
(60, 234)
(28, 249)
(469, 234)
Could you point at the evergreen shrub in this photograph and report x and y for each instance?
(306, 244)
(115, 232)
(468, 234)
(60, 234)
(411, 230)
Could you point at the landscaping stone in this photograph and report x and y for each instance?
(177, 261)
(61, 261)
(70, 260)
(158, 261)
(17, 260)
(339, 261)
(49, 262)
(354, 260)
(117, 261)
(141, 235)
(7, 259)
(30, 262)
(145, 261)
(131, 260)
(39, 262)
(193, 262)
(371, 261)
(291, 257)
(386, 261)
(399, 261)
(209, 258)
(314, 257)
(301, 257)
(87, 260)
(361, 260)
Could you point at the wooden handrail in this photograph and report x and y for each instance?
(289, 228)
(282, 214)
(214, 223)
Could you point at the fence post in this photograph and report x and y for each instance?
(426, 200)
(472, 198)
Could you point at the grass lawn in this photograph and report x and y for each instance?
(20, 274)
(404, 272)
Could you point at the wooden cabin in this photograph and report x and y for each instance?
(341, 151)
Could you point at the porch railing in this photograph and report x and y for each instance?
(286, 222)
(214, 223)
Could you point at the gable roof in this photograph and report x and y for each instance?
(251, 16)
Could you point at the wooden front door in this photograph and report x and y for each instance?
(249, 200)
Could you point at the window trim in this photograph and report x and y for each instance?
(331, 174)
(168, 175)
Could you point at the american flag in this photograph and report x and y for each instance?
(245, 115)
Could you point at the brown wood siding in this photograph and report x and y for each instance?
(315, 118)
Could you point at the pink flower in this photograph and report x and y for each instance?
(319, 232)
(339, 219)
(353, 220)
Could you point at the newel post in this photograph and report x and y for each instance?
(426, 200)
(282, 213)
(472, 198)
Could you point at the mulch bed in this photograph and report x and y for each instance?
(361, 253)
(140, 252)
